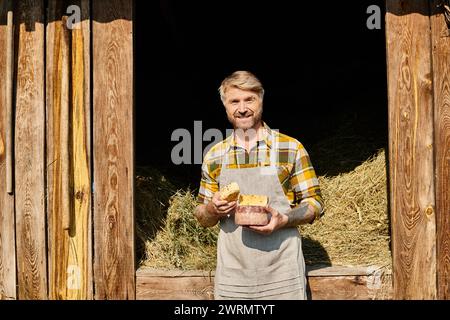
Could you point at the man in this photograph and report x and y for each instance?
(258, 262)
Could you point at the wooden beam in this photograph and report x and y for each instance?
(29, 151)
(114, 271)
(411, 169)
(69, 211)
(7, 225)
(441, 80)
(324, 283)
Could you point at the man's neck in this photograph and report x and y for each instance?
(248, 138)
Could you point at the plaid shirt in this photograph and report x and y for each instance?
(295, 171)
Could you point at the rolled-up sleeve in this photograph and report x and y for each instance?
(208, 184)
(304, 182)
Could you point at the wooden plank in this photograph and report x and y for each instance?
(63, 65)
(342, 288)
(9, 96)
(311, 271)
(151, 272)
(411, 149)
(81, 232)
(70, 250)
(7, 225)
(441, 79)
(333, 283)
(324, 271)
(29, 152)
(58, 243)
(174, 288)
(114, 271)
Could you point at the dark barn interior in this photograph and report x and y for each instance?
(323, 70)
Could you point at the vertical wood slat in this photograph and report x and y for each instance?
(441, 79)
(9, 96)
(81, 136)
(29, 151)
(7, 225)
(114, 270)
(411, 149)
(63, 73)
(58, 238)
(68, 68)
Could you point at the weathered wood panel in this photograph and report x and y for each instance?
(114, 271)
(68, 153)
(9, 71)
(333, 283)
(29, 151)
(344, 287)
(81, 234)
(7, 225)
(411, 149)
(441, 80)
(150, 286)
(57, 56)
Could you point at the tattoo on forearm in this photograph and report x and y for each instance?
(299, 215)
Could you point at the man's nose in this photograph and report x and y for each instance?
(241, 107)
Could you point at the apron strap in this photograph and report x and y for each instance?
(273, 153)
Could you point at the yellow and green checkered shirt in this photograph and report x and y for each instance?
(295, 171)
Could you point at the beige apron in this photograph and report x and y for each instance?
(255, 266)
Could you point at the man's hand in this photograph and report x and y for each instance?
(220, 208)
(208, 215)
(277, 221)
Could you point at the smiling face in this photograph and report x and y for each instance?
(244, 108)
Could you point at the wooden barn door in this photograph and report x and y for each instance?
(66, 150)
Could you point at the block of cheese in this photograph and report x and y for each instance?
(253, 200)
(250, 210)
(230, 192)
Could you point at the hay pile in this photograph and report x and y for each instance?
(152, 192)
(353, 231)
(182, 243)
(355, 227)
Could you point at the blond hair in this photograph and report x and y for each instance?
(243, 80)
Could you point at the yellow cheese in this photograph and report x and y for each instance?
(253, 200)
(230, 192)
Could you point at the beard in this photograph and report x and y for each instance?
(249, 121)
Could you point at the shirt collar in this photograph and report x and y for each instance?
(266, 137)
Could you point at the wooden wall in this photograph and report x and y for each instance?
(419, 136)
(54, 218)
